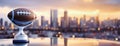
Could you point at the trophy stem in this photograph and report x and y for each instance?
(21, 30)
(21, 37)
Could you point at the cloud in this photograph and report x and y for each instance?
(102, 5)
(42, 7)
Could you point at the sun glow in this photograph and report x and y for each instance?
(70, 13)
(88, 0)
(94, 12)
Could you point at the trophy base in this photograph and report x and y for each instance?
(21, 37)
(20, 41)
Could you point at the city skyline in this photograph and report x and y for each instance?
(77, 8)
(60, 22)
(66, 22)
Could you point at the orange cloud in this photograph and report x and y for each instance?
(88, 1)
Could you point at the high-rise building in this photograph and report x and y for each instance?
(42, 20)
(53, 18)
(73, 22)
(1, 22)
(83, 22)
(44, 23)
(65, 20)
(36, 24)
(91, 23)
(97, 21)
(6, 25)
(108, 23)
(11, 26)
(65, 14)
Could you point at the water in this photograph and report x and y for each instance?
(70, 42)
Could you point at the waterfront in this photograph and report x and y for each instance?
(60, 23)
(108, 35)
(71, 42)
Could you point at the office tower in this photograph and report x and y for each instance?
(107, 23)
(73, 22)
(92, 25)
(6, 25)
(97, 21)
(44, 23)
(36, 24)
(116, 23)
(1, 22)
(65, 20)
(62, 22)
(11, 26)
(118, 26)
(53, 18)
(83, 22)
(65, 14)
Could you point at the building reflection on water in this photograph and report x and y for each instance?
(62, 42)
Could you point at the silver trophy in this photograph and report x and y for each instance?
(21, 17)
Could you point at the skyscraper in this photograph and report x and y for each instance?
(11, 26)
(6, 25)
(65, 20)
(73, 22)
(1, 22)
(44, 22)
(53, 18)
(36, 24)
(91, 23)
(97, 21)
(83, 22)
(65, 14)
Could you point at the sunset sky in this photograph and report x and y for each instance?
(77, 8)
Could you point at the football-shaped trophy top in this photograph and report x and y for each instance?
(21, 16)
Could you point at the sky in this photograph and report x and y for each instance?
(77, 8)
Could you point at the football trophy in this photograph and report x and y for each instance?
(21, 17)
